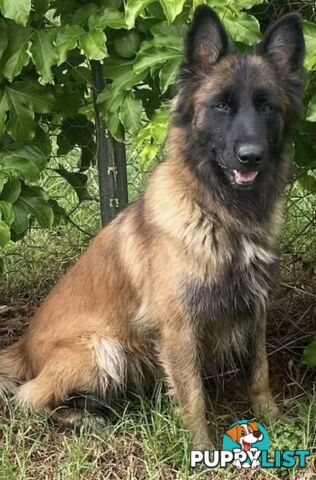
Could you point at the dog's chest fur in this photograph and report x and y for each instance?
(245, 275)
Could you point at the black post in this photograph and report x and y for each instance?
(106, 165)
(121, 181)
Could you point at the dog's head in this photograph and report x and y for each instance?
(236, 108)
(245, 434)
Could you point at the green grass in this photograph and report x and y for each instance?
(142, 440)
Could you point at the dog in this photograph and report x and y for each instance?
(246, 435)
(180, 279)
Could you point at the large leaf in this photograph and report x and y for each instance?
(168, 74)
(16, 56)
(133, 8)
(32, 202)
(242, 27)
(93, 44)
(11, 190)
(3, 36)
(4, 108)
(310, 39)
(4, 234)
(27, 92)
(17, 10)
(172, 9)
(311, 110)
(44, 53)
(78, 181)
(310, 354)
(131, 113)
(67, 39)
(110, 17)
(20, 167)
(24, 97)
(6, 212)
(151, 57)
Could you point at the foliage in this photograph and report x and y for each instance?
(46, 96)
(310, 354)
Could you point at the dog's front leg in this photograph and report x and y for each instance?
(180, 360)
(260, 393)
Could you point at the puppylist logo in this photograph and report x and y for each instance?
(246, 444)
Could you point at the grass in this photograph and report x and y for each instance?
(142, 440)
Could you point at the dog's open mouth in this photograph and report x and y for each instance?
(244, 178)
(246, 446)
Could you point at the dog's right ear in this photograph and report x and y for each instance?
(233, 433)
(206, 40)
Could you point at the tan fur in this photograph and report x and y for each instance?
(118, 308)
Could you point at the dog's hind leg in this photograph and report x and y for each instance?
(84, 365)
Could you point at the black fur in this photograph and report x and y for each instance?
(248, 109)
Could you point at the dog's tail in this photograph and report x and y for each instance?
(13, 367)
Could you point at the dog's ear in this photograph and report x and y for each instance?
(233, 433)
(254, 426)
(206, 39)
(284, 44)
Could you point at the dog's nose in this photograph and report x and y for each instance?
(250, 154)
(257, 434)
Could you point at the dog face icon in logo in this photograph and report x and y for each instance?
(246, 436)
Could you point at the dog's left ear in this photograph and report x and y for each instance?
(284, 44)
(206, 40)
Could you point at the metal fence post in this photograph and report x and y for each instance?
(107, 171)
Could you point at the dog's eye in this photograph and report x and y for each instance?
(265, 107)
(243, 432)
(223, 106)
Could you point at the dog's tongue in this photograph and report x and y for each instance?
(244, 177)
(246, 446)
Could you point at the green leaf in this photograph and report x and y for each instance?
(93, 44)
(152, 57)
(6, 212)
(44, 53)
(308, 182)
(4, 234)
(131, 113)
(110, 17)
(242, 27)
(3, 179)
(32, 153)
(67, 39)
(27, 92)
(310, 354)
(168, 74)
(133, 8)
(310, 40)
(4, 108)
(172, 9)
(20, 167)
(16, 56)
(21, 220)
(78, 181)
(21, 125)
(3, 36)
(33, 201)
(311, 110)
(11, 190)
(17, 10)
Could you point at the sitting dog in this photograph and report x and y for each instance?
(180, 279)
